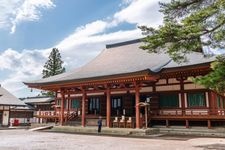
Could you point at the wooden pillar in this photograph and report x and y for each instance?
(108, 107)
(182, 95)
(83, 117)
(62, 107)
(137, 101)
(212, 103)
(187, 123)
(55, 109)
(167, 123)
(209, 124)
(68, 104)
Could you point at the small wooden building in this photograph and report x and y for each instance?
(7, 104)
(21, 115)
(43, 108)
(114, 83)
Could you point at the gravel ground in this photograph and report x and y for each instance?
(29, 140)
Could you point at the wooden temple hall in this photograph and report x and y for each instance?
(129, 87)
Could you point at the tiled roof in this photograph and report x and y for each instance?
(31, 100)
(25, 108)
(123, 58)
(7, 98)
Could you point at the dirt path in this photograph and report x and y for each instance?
(28, 140)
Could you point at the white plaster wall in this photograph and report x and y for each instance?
(72, 95)
(6, 107)
(92, 94)
(161, 81)
(5, 120)
(119, 92)
(146, 89)
(168, 88)
(173, 80)
(193, 86)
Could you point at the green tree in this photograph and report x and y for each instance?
(53, 67)
(216, 79)
(188, 26)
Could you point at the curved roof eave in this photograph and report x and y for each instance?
(92, 79)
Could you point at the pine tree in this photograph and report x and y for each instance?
(188, 26)
(53, 67)
(54, 64)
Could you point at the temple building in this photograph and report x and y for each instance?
(43, 108)
(8, 103)
(129, 87)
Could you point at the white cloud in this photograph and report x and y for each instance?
(83, 49)
(29, 11)
(7, 7)
(26, 61)
(82, 32)
(76, 49)
(141, 12)
(23, 66)
(13, 12)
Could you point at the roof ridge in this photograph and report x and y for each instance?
(123, 43)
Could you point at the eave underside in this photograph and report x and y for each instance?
(121, 83)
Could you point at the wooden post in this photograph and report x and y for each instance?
(182, 96)
(187, 123)
(108, 107)
(146, 116)
(68, 105)
(209, 124)
(212, 103)
(55, 108)
(137, 101)
(62, 107)
(83, 108)
(167, 123)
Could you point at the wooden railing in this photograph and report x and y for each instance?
(52, 114)
(47, 113)
(187, 112)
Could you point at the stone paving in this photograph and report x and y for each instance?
(21, 139)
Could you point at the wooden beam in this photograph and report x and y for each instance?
(122, 79)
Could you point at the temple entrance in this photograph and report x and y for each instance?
(116, 107)
(94, 105)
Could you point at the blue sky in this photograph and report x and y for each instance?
(29, 29)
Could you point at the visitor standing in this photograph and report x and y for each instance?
(99, 124)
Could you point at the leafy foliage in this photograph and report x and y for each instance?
(188, 26)
(53, 67)
(216, 79)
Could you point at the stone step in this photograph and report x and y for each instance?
(105, 130)
(193, 131)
